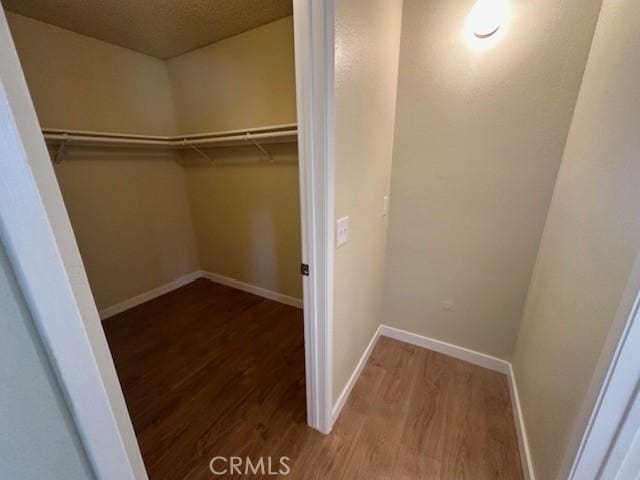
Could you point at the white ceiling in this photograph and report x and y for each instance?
(162, 28)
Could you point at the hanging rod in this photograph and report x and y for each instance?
(287, 133)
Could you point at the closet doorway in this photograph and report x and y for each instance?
(177, 158)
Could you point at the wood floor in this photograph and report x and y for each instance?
(211, 371)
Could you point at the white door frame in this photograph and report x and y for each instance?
(605, 446)
(35, 228)
(314, 51)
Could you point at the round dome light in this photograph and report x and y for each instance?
(487, 16)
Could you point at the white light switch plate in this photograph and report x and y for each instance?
(342, 231)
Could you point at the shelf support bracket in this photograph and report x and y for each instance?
(191, 145)
(250, 139)
(60, 153)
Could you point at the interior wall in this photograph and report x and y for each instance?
(367, 45)
(38, 438)
(480, 130)
(590, 243)
(246, 211)
(243, 81)
(81, 83)
(130, 215)
(129, 211)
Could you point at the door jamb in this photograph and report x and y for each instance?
(37, 234)
(600, 440)
(314, 56)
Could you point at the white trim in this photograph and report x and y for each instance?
(190, 277)
(623, 459)
(353, 379)
(41, 246)
(149, 295)
(602, 442)
(521, 430)
(314, 57)
(482, 360)
(246, 287)
(461, 353)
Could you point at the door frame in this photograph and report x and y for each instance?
(37, 235)
(41, 246)
(610, 417)
(314, 56)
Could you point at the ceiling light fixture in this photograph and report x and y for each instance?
(487, 16)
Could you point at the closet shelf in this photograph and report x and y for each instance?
(287, 133)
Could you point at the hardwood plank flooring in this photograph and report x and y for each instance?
(210, 371)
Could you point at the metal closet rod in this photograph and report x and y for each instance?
(285, 133)
(287, 130)
(176, 142)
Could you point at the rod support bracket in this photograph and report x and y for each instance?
(187, 143)
(60, 152)
(248, 137)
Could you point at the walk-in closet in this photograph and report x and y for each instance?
(172, 132)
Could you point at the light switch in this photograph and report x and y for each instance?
(342, 231)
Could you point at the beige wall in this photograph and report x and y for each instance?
(480, 130)
(246, 212)
(81, 83)
(590, 242)
(240, 82)
(130, 216)
(367, 44)
(129, 211)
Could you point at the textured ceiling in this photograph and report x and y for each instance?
(162, 28)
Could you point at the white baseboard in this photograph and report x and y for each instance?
(346, 391)
(482, 360)
(146, 296)
(261, 292)
(521, 431)
(190, 277)
(461, 353)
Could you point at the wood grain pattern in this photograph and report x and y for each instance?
(208, 370)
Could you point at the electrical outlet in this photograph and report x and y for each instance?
(342, 231)
(447, 304)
